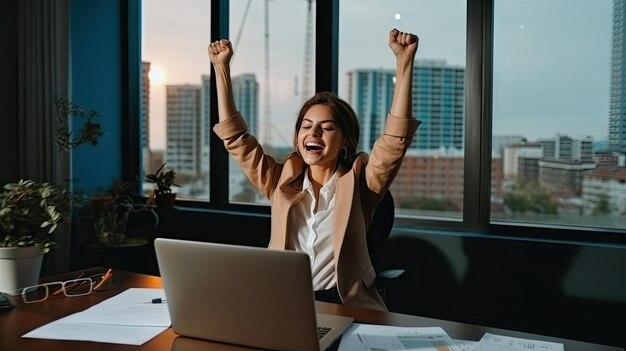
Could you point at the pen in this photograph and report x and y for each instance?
(158, 300)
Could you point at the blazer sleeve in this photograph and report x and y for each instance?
(389, 149)
(262, 170)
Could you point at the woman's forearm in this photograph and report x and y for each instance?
(225, 99)
(402, 105)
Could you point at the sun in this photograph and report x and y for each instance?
(156, 75)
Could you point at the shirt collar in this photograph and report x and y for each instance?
(330, 185)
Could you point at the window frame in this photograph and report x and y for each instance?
(478, 112)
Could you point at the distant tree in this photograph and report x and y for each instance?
(529, 197)
(516, 202)
(602, 206)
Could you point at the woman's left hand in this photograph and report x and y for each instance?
(403, 43)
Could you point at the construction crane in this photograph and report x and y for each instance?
(243, 22)
(267, 123)
(308, 53)
(268, 127)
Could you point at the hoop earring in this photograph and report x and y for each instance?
(343, 154)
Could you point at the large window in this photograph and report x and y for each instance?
(558, 107)
(175, 81)
(521, 103)
(430, 182)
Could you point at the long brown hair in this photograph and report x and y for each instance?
(344, 116)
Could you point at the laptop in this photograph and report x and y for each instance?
(242, 295)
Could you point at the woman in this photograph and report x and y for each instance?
(324, 194)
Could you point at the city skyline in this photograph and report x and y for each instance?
(538, 112)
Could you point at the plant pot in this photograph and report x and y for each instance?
(165, 200)
(19, 267)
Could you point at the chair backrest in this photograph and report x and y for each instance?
(380, 228)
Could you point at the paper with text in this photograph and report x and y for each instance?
(369, 337)
(491, 342)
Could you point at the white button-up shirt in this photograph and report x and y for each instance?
(313, 235)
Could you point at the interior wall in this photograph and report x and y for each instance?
(96, 74)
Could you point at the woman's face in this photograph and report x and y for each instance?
(319, 138)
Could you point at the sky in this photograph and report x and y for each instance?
(551, 72)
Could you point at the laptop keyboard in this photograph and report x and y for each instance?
(321, 331)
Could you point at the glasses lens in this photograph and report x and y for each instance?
(78, 287)
(35, 293)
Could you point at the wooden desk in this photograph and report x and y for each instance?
(26, 317)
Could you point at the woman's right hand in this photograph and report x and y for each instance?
(220, 52)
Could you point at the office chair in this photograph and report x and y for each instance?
(377, 235)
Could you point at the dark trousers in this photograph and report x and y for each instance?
(330, 295)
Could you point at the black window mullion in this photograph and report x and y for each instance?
(131, 89)
(326, 45)
(478, 89)
(218, 156)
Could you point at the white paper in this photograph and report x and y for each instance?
(492, 342)
(132, 307)
(367, 337)
(127, 318)
(114, 334)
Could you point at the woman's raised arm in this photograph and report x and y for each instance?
(220, 53)
(404, 46)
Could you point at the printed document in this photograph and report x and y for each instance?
(127, 318)
(369, 337)
(491, 342)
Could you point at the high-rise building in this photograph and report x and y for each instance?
(184, 130)
(438, 101)
(205, 129)
(246, 93)
(369, 93)
(144, 142)
(617, 107)
(564, 147)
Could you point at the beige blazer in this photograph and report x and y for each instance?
(358, 191)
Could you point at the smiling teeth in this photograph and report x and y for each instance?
(314, 145)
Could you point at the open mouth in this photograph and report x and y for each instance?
(314, 147)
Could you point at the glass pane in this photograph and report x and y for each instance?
(430, 182)
(175, 123)
(273, 73)
(558, 92)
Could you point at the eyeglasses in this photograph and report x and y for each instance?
(70, 288)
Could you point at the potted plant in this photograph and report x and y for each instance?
(110, 218)
(163, 181)
(30, 213)
(89, 131)
(114, 230)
